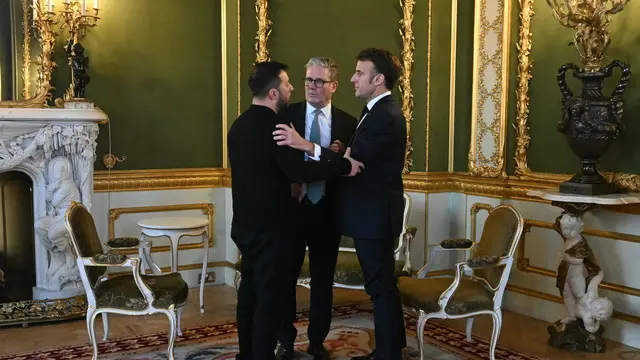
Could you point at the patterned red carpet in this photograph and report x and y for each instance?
(351, 334)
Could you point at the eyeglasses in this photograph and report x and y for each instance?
(316, 82)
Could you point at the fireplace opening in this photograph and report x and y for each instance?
(17, 254)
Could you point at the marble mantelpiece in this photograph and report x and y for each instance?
(56, 148)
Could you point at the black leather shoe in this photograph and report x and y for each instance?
(284, 354)
(318, 351)
(369, 356)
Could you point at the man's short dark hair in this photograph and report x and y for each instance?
(265, 76)
(385, 63)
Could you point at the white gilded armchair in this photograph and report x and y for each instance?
(480, 294)
(127, 294)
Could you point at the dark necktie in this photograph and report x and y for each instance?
(365, 111)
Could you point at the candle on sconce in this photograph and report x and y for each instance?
(50, 5)
(95, 4)
(84, 7)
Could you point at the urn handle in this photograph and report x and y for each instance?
(562, 83)
(624, 77)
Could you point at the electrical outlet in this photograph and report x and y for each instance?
(209, 277)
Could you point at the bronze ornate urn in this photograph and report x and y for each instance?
(591, 120)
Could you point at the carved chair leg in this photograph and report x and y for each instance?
(105, 325)
(173, 320)
(469, 329)
(497, 324)
(422, 321)
(91, 320)
(179, 318)
(205, 239)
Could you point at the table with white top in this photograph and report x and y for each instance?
(174, 228)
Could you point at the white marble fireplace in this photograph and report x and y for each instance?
(56, 148)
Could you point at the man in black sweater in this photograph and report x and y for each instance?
(261, 175)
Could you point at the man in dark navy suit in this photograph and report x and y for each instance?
(371, 204)
(324, 124)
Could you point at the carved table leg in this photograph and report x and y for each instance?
(581, 330)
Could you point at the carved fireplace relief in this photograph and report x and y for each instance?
(55, 149)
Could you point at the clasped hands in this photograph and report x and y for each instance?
(288, 136)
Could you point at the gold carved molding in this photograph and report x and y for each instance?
(407, 54)
(452, 84)
(490, 88)
(433, 182)
(264, 30)
(206, 208)
(139, 180)
(404, 85)
(523, 103)
(428, 99)
(43, 24)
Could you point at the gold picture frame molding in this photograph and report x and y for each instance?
(207, 209)
(523, 138)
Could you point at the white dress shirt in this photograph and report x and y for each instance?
(373, 102)
(325, 132)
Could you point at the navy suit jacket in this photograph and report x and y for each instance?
(371, 203)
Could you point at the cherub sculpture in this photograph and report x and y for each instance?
(580, 292)
(61, 190)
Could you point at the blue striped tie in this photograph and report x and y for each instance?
(315, 190)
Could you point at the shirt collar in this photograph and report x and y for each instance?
(325, 110)
(375, 99)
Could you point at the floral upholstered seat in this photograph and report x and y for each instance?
(121, 292)
(120, 243)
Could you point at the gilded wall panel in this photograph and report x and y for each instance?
(490, 86)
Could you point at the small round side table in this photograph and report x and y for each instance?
(175, 228)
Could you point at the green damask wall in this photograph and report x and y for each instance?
(549, 151)
(6, 73)
(463, 84)
(155, 70)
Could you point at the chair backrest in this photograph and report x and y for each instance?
(346, 243)
(84, 239)
(500, 236)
